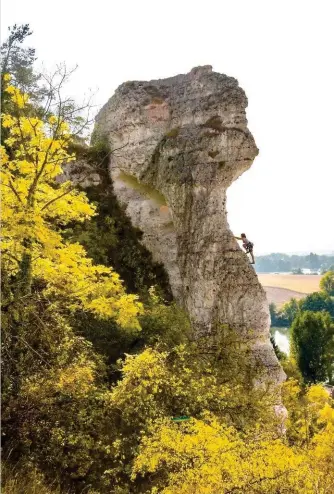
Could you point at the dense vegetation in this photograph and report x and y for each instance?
(94, 374)
(284, 263)
(311, 323)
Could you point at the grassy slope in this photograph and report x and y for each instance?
(298, 283)
(279, 296)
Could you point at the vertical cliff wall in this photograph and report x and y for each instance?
(179, 144)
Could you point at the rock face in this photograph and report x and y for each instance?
(179, 144)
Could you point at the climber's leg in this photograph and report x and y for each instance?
(249, 250)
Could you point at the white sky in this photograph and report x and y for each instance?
(280, 51)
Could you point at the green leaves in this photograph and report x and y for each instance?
(312, 345)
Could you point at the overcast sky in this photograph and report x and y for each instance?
(280, 51)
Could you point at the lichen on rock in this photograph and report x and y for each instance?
(186, 138)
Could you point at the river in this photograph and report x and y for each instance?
(281, 336)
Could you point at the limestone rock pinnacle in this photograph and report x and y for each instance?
(180, 143)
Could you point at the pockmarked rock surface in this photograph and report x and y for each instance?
(179, 143)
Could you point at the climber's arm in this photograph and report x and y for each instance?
(238, 238)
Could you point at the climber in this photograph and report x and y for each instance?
(247, 245)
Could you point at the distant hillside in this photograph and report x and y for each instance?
(279, 296)
(281, 288)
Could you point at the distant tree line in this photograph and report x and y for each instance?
(284, 263)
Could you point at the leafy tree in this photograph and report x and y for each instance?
(312, 345)
(45, 91)
(289, 311)
(317, 302)
(276, 317)
(285, 315)
(36, 209)
(45, 280)
(327, 283)
(18, 61)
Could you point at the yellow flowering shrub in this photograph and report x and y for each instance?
(309, 411)
(36, 207)
(310, 429)
(181, 382)
(321, 456)
(207, 456)
(229, 444)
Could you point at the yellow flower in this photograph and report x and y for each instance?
(37, 210)
(10, 90)
(53, 120)
(3, 155)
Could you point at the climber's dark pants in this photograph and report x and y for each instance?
(249, 248)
